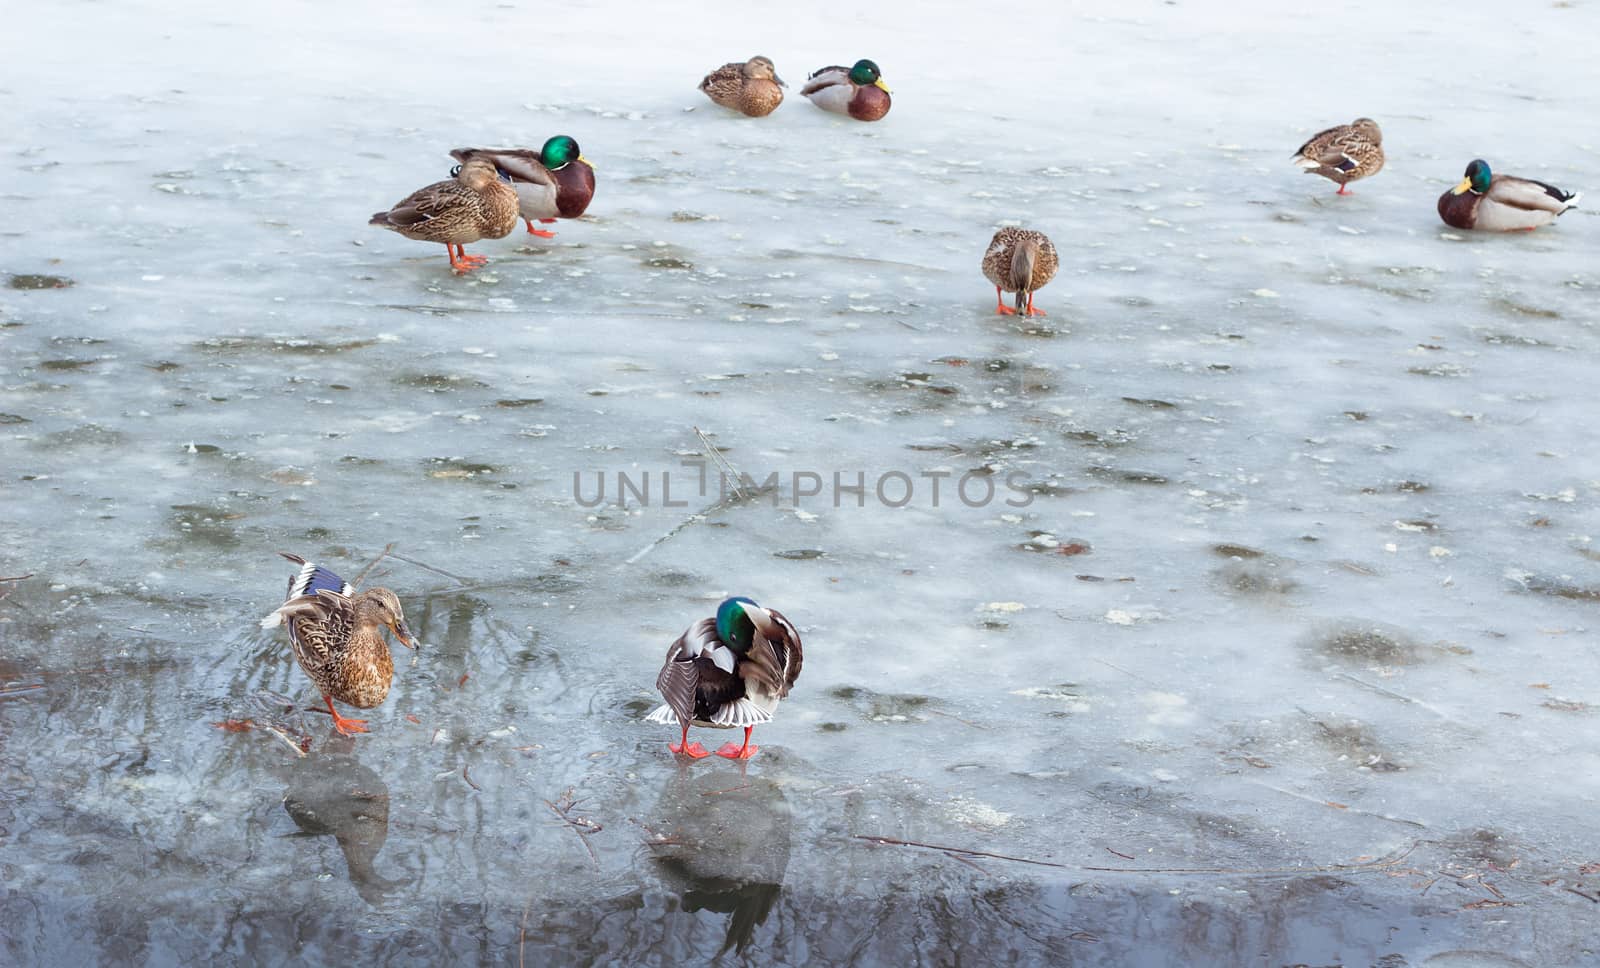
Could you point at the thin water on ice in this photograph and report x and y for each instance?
(1285, 659)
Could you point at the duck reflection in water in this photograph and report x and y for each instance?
(722, 842)
(331, 794)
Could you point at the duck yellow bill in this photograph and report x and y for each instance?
(879, 83)
(586, 161)
(1465, 186)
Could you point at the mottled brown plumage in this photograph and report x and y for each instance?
(1343, 154)
(475, 204)
(1020, 261)
(708, 681)
(337, 637)
(752, 88)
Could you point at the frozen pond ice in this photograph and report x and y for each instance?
(1286, 659)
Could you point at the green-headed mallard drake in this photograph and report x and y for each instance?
(752, 88)
(1020, 261)
(1343, 154)
(338, 637)
(474, 204)
(727, 672)
(1502, 203)
(554, 182)
(858, 91)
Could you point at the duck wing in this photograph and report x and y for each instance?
(1530, 195)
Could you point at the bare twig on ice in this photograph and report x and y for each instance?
(582, 826)
(371, 565)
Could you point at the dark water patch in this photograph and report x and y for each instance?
(1105, 439)
(33, 280)
(268, 344)
(676, 579)
(453, 468)
(667, 262)
(1150, 403)
(880, 707)
(1567, 705)
(84, 435)
(163, 366)
(1366, 644)
(1105, 473)
(799, 554)
(518, 404)
(1353, 742)
(1523, 309)
(1227, 550)
(1444, 370)
(11, 418)
(912, 381)
(1256, 577)
(207, 524)
(436, 382)
(67, 364)
(1560, 586)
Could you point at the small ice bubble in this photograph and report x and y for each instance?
(152, 278)
(473, 350)
(1264, 293)
(1117, 616)
(1437, 552)
(1391, 547)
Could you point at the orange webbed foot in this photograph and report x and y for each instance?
(733, 751)
(1032, 311)
(1004, 311)
(541, 233)
(692, 750)
(349, 727)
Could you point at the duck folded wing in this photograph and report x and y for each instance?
(1528, 194)
(520, 164)
(1338, 160)
(826, 77)
(678, 682)
(319, 623)
(426, 204)
(724, 81)
(793, 657)
(767, 667)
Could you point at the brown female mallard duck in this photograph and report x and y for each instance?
(727, 672)
(752, 88)
(1019, 261)
(858, 91)
(554, 182)
(337, 636)
(1343, 154)
(1502, 203)
(475, 204)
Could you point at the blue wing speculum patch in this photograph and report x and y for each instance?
(313, 578)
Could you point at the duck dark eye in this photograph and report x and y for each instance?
(455, 172)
